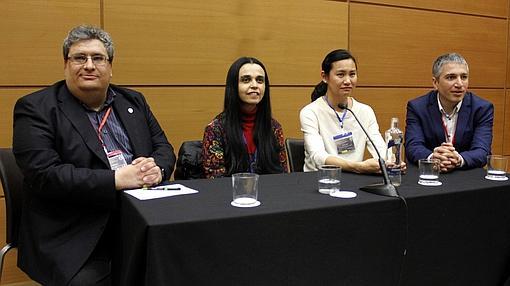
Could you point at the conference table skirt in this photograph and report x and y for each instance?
(455, 234)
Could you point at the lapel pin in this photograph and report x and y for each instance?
(130, 110)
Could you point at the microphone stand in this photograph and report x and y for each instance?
(386, 188)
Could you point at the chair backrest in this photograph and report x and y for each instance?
(12, 183)
(189, 161)
(296, 153)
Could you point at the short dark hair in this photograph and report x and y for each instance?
(87, 32)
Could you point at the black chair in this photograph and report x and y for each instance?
(189, 161)
(296, 153)
(12, 183)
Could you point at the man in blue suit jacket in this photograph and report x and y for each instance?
(79, 142)
(449, 123)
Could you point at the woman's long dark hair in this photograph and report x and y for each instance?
(337, 55)
(236, 154)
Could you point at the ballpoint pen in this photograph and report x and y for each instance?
(162, 188)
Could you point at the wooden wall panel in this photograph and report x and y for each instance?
(388, 103)
(286, 105)
(508, 57)
(396, 47)
(194, 42)
(177, 54)
(506, 131)
(32, 35)
(497, 97)
(495, 8)
(184, 112)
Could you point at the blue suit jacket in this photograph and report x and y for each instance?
(473, 134)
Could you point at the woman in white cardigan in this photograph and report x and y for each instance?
(332, 135)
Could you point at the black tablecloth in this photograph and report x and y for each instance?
(458, 234)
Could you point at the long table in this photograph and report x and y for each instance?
(455, 234)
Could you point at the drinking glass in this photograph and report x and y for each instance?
(429, 172)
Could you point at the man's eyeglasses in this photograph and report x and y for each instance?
(80, 59)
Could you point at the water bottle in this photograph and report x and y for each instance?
(394, 140)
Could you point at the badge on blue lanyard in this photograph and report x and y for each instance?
(344, 141)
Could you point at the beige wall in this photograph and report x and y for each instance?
(178, 52)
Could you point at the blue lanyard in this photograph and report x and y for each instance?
(336, 113)
(253, 161)
(252, 157)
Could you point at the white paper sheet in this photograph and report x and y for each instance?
(160, 192)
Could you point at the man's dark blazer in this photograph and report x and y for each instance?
(473, 134)
(69, 188)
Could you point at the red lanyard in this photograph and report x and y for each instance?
(101, 125)
(446, 131)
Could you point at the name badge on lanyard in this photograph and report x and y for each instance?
(450, 137)
(344, 143)
(115, 157)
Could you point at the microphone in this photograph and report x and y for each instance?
(385, 189)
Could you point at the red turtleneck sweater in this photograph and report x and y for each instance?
(248, 124)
